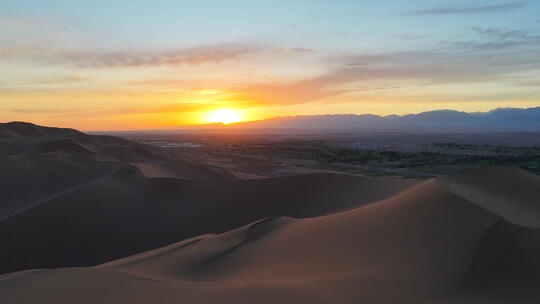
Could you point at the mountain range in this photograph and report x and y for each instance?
(502, 119)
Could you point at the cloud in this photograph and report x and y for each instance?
(89, 58)
(497, 39)
(14, 22)
(529, 83)
(46, 110)
(409, 36)
(33, 81)
(455, 61)
(100, 111)
(192, 56)
(354, 73)
(317, 88)
(468, 10)
(160, 108)
(501, 34)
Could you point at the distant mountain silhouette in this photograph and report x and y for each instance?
(502, 119)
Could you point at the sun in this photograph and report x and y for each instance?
(224, 116)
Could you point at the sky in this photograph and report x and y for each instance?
(118, 65)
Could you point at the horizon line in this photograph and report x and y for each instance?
(230, 125)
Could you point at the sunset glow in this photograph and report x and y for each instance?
(117, 66)
(224, 116)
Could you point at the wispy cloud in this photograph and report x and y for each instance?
(318, 88)
(357, 73)
(492, 39)
(409, 36)
(33, 81)
(529, 83)
(89, 58)
(192, 56)
(501, 34)
(468, 9)
(100, 112)
(69, 111)
(18, 22)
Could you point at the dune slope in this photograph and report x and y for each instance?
(512, 193)
(41, 163)
(426, 245)
(128, 213)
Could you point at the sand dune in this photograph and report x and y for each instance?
(31, 179)
(512, 193)
(506, 264)
(183, 169)
(380, 250)
(40, 163)
(74, 200)
(130, 213)
(19, 129)
(429, 244)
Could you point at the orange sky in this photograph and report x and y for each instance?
(142, 65)
(157, 107)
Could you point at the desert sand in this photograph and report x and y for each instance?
(314, 238)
